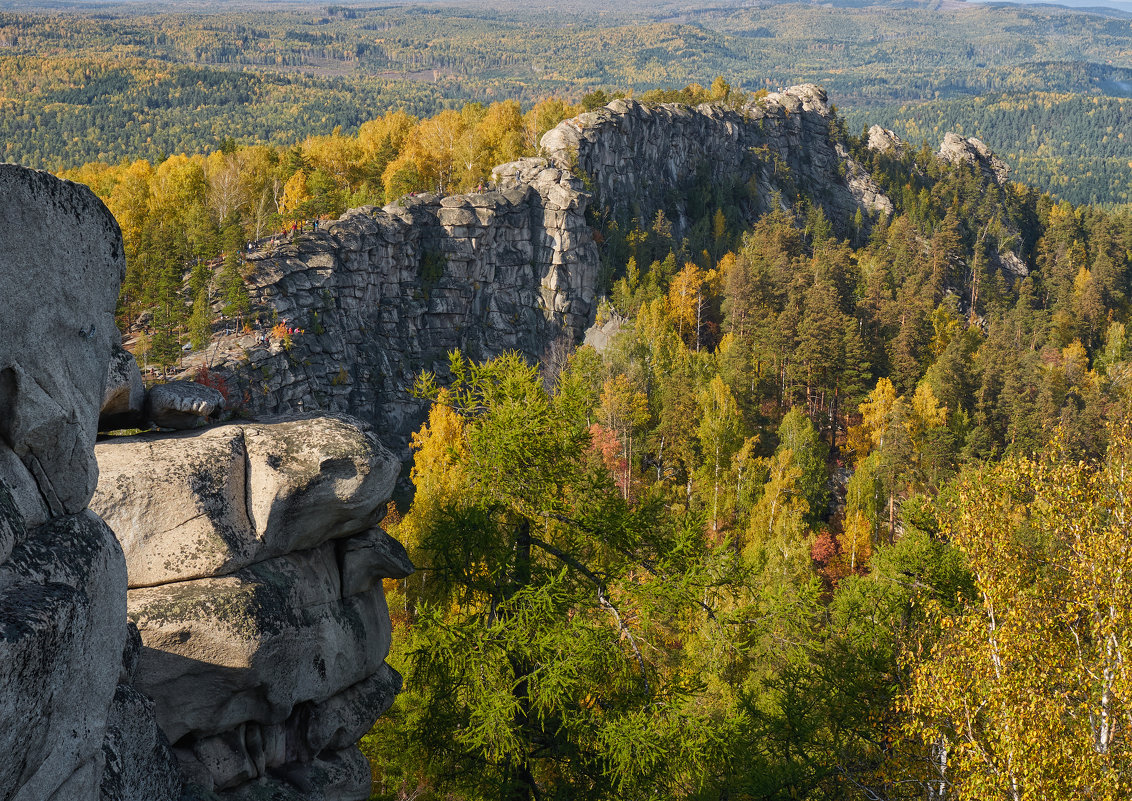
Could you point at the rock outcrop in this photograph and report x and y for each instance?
(382, 294)
(255, 564)
(883, 140)
(644, 158)
(974, 153)
(71, 726)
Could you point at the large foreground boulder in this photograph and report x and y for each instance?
(62, 628)
(255, 561)
(62, 265)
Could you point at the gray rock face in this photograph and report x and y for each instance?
(973, 152)
(140, 764)
(600, 337)
(64, 701)
(882, 140)
(367, 557)
(182, 404)
(63, 262)
(385, 293)
(255, 566)
(638, 156)
(61, 635)
(124, 399)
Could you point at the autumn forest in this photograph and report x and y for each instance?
(841, 508)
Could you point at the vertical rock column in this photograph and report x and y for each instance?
(65, 702)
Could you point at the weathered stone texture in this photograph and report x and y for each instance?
(383, 293)
(63, 263)
(643, 158)
(207, 503)
(66, 708)
(883, 140)
(62, 628)
(182, 404)
(255, 564)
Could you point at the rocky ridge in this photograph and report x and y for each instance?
(643, 158)
(382, 294)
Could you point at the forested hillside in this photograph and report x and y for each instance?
(823, 521)
(1076, 146)
(117, 82)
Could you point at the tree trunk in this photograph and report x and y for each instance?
(519, 778)
(891, 517)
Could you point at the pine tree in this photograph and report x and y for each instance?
(200, 322)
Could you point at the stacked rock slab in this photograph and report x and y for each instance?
(71, 726)
(255, 565)
(383, 294)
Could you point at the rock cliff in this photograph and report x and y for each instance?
(71, 725)
(644, 158)
(381, 294)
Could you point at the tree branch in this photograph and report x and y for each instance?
(601, 598)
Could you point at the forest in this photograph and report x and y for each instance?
(114, 81)
(827, 520)
(831, 518)
(838, 514)
(1076, 146)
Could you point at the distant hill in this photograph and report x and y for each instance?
(127, 80)
(1095, 6)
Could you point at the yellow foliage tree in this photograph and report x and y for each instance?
(439, 474)
(543, 116)
(623, 409)
(876, 415)
(685, 300)
(1027, 694)
(389, 131)
(295, 193)
(856, 540)
(339, 156)
(129, 202)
